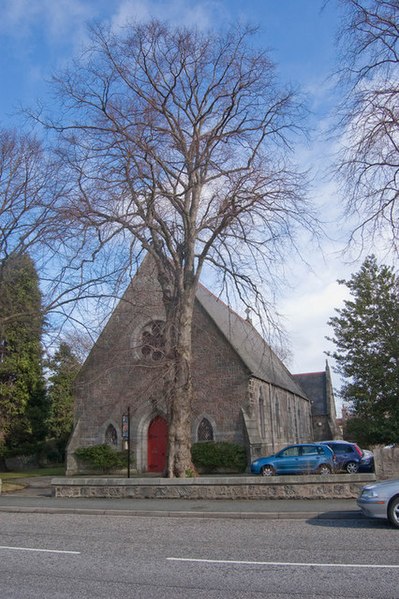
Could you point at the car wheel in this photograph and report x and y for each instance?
(268, 471)
(393, 512)
(324, 469)
(352, 467)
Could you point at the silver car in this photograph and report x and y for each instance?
(381, 500)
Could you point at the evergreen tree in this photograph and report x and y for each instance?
(366, 335)
(64, 367)
(23, 402)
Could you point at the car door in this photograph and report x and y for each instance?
(287, 460)
(341, 453)
(309, 459)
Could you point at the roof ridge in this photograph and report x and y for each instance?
(218, 299)
(309, 373)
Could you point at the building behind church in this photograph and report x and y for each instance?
(243, 393)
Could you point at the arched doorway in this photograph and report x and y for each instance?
(157, 444)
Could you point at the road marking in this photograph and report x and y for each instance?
(307, 565)
(40, 550)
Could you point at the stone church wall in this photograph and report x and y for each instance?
(112, 378)
(276, 417)
(116, 376)
(219, 379)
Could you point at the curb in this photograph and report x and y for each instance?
(179, 514)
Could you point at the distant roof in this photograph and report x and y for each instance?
(315, 387)
(253, 350)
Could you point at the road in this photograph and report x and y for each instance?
(45, 556)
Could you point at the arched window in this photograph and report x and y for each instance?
(111, 436)
(262, 421)
(205, 430)
(153, 340)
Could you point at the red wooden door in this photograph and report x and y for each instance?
(157, 444)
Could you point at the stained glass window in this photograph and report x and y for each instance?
(111, 436)
(153, 340)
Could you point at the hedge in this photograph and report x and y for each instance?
(102, 457)
(209, 456)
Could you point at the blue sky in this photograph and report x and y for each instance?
(39, 37)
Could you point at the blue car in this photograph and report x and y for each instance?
(304, 458)
(350, 458)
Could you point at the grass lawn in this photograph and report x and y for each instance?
(55, 471)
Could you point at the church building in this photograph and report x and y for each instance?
(243, 393)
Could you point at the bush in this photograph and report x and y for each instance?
(102, 457)
(210, 456)
(51, 451)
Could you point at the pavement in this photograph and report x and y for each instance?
(36, 497)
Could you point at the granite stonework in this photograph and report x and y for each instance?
(386, 461)
(305, 487)
(242, 392)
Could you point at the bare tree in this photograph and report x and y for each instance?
(369, 162)
(23, 193)
(177, 142)
(28, 185)
(32, 184)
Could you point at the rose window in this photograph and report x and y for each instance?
(153, 341)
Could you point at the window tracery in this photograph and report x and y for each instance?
(205, 430)
(153, 341)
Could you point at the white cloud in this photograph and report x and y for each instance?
(307, 311)
(58, 20)
(202, 14)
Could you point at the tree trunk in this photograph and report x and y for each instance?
(179, 450)
(179, 389)
(3, 467)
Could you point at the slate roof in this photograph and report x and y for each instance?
(253, 350)
(315, 387)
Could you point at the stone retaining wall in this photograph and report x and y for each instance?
(386, 461)
(343, 486)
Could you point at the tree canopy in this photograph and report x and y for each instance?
(369, 161)
(28, 192)
(366, 335)
(63, 367)
(23, 402)
(175, 143)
